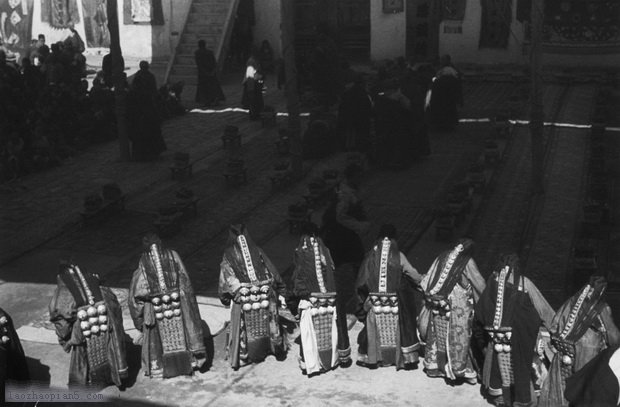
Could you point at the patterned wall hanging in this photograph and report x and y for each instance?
(16, 30)
(60, 13)
(582, 21)
(143, 12)
(96, 23)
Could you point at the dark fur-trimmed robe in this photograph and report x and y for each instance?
(143, 286)
(371, 350)
(63, 313)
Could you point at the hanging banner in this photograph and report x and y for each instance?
(96, 23)
(453, 10)
(60, 13)
(16, 26)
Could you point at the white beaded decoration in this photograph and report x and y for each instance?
(446, 269)
(499, 304)
(160, 271)
(587, 290)
(247, 258)
(385, 251)
(89, 293)
(317, 264)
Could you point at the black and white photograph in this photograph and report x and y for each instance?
(310, 203)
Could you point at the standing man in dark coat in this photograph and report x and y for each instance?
(354, 116)
(209, 92)
(146, 137)
(447, 93)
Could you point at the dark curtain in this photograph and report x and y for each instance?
(495, 23)
(157, 12)
(524, 9)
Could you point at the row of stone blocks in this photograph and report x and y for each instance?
(320, 190)
(459, 200)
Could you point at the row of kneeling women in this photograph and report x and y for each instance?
(500, 332)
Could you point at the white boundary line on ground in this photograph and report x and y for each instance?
(469, 120)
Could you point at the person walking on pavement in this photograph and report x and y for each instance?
(163, 307)
(581, 329)
(252, 286)
(13, 367)
(209, 92)
(89, 324)
(451, 287)
(386, 286)
(321, 348)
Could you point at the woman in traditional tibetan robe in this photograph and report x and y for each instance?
(451, 287)
(13, 365)
(320, 322)
(511, 311)
(581, 329)
(386, 284)
(250, 283)
(164, 308)
(89, 324)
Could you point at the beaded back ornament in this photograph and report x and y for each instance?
(317, 264)
(446, 269)
(499, 304)
(385, 251)
(247, 258)
(89, 294)
(587, 290)
(155, 257)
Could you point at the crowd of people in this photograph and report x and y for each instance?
(501, 333)
(48, 111)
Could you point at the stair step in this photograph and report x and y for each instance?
(210, 8)
(210, 40)
(206, 18)
(188, 49)
(184, 59)
(184, 70)
(188, 79)
(199, 28)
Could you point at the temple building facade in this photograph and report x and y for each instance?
(576, 32)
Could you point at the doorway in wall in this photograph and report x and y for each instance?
(422, 42)
(348, 22)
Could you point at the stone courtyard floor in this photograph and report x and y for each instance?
(41, 224)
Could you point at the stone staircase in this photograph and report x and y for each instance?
(208, 20)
